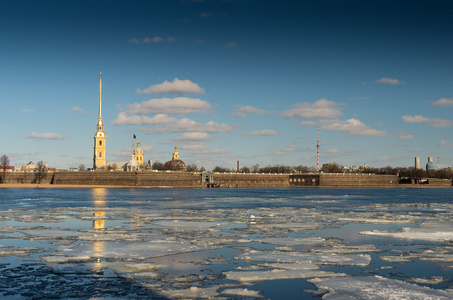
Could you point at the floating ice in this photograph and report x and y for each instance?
(375, 288)
(294, 266)
(344, 249)
(251, 276)
(64, 258)
(427, 234)
(241, 293)
(430, 280)
(192, 292)
(293, 241)
(396, 259)
(188, 224)
(316, 258)
(136, 249)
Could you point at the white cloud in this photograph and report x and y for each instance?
(230, 45)
(146, 148)
(26, 111)
(443, 102)
(387, 80)
(434, 122)
(264, 132)
(241, 112)
(406, 137)
(286, 150)
(322, 108)
(333, 151)
(308, 123)
(176, 86)
(445, 143)
(178, 105)
(46, 136)
(169, 124)
(80, 110)
(193, 136)
(352, 126)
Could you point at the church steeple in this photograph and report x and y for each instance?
(100, 123)
(99, 137)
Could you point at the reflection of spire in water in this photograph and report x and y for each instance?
(100, 223)
(99, 197)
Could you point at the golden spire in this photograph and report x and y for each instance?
(100, 96)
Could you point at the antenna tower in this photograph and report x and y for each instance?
(317, 147)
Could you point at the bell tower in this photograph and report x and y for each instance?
(99, 159)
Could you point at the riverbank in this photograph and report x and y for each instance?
(90, 186)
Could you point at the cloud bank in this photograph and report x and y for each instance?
(178, 105)
(322, 108)
(434, 122)
(176, 86)
(46, 136)
(388, 80)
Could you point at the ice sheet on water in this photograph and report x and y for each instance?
(290, 266)
(429, 231)
(430, 280)
(375, 287)
(49, 233)
(56, 259)
(293, 241)
(188, 224)
(134, 249)
(192, 292)
(345, 249)
(252, 276)
(241, 293)
(316, 258)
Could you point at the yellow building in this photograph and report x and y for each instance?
(99, 158)
(138, 153)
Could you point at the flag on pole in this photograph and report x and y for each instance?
(134, 136)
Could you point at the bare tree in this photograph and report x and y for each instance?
(192, 168)
(4, 162)
(40, 172)
(82, 167)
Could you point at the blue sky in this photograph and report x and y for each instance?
(223, 80)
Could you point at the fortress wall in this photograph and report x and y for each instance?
(439, 182)
(25, 177)
(152, 179)
(237, 180)
(231, 180)
(357, 180)
(304, 180)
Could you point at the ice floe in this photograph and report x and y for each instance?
(375, 287)
(316, 258)
(251, 276)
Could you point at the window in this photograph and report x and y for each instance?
(100, 154)
(100, 143)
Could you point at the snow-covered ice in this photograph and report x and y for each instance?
(375, 287)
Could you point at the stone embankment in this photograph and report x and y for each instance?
(214, 180)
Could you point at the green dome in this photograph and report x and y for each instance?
(430, 166)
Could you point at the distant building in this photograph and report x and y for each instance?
(30, 167)
(138, 154)
(7, 169)
(430, 164)
(176, 164)
(417, 163)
